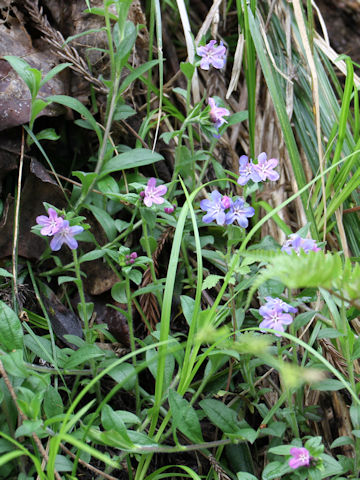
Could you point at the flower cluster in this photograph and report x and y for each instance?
(152, 193)
(257, 172)
(297, 244)
(300, 457)
(212, 55)
(276, 314)
(130, 259)
(216, 206)
(60, 229)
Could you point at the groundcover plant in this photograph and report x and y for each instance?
(180, 280)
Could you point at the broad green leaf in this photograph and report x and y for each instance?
(47, 134)
(187, 305)
(25, 72)
(53, 404)
(328, 385)
(124, 373)
(187, 69)
(11, 333)
(83, 355)
(185, 418)
(133, 159)
(63, 464)
(74, 104)
(93, 255)
(112, 421)
(105, 221)
(28, 427)
(5, 273)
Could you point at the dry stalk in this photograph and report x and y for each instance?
(54, 38)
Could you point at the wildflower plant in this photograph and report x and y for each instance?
(164, 311)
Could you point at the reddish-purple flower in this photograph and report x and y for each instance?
(169, 210)
(129, 259)
(217, 113)
(297, 244)
(300, 457)
(247, 171)
(51, 224)
(65, 235)
(212, 55)
(265, 168)
(239, 213)
(214, 208)
(275, 319)
(153, 194)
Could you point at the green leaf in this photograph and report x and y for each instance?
(5, 273)
(135, 158)
(25, 72)
(93, 255)
(11, 333)
(135, 276)
(220, 415)
(136, 74)
(211, 281)
(355, 416)
(47, 134)
(53, 404)
(124, 43)
(63, 464)
(54, 71)
(38, 105)
(184, 417)
(237, 117)
(122, 112)
(105, 221)
(328, 385)
(14, 364)
(112, 421)
(118, 292)
(83, 355)
(29, 427)
(339, 442)
(124, 374)
(74, 104)
(187, 305)
(187, 69)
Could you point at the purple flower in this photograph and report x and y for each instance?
(169, 209)
(275, 319)
(226, 202)
(217, 113)
(265, 168)
(214, 208)
(298, 244)
(274, 303)
(300, 457)
(129, 259)
(239, 213)
(153, 194)
(51, 224)
(247, 171)
(65, 235)
(212, 55)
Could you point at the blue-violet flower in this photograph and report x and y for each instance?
(265, 168)
(153, 194)
(300, 457)
(214, 208)
(51, 224)
(65, 235)
(212, 55)
(247, 171)
(239, 213)
(297, 244)
(275, 319)
(274, 303)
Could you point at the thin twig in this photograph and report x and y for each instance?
(16, 221)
